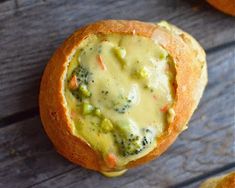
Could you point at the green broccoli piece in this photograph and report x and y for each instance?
(82, 74)
(128, 138)
(122, 105)
(87, 108)
(83, 78)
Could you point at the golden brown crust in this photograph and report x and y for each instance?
(189, 72)
(225, 181)
(226, 6)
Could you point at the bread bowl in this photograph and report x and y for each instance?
(226, 6)
(223, 181)
(116, 94)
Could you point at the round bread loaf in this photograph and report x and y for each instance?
(188, 71)
(224, 181)
(226, 6)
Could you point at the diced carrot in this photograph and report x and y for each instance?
(73, 83)
(73, 114)
(164, 108)
(101, 63)
(111, 160)
(154, 97)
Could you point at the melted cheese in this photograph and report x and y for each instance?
(130, 82)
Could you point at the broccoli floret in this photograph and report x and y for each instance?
(128, 138)
(141, 73)
(147, 137)
(122, 105)
(83, 78)
(106, 125)
(87, 108)
(82, 92)
(83, 75)
(131, 141)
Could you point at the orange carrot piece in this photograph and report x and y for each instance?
(101, 63)
(111, 160)
(154, 97)
(73, 114)
(73, 83)
(164, 108)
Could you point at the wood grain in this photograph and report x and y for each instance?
(196, 181)
(28, 159)
(31, 30)
(196, 184)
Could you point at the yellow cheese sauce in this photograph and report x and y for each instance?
(119, 91)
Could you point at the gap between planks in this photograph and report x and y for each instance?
(26, 114)
(20, 116)
(45, 180)
(230, 166)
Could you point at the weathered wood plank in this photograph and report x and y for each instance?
(27, 155)
(28, 160)
(196, 183)
(31, 30)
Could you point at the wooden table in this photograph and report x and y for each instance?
(30, 30)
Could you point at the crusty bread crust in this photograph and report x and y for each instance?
(191, 78)
(224, 181)
(226, 6)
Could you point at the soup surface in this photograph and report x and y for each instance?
(120, 91)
